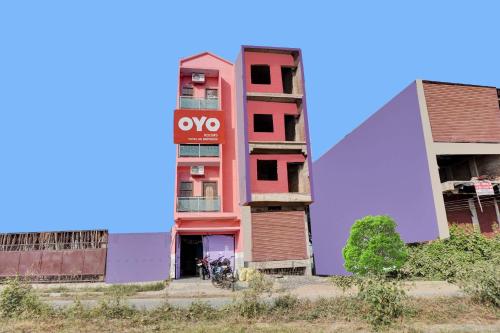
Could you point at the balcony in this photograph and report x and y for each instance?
(198, 150)
(198, 204)
(188, 102)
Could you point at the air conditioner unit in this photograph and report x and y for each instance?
(198, 170)
(198, 77)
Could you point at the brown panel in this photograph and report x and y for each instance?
(94, 262)
(487, 218)
(72, 262)
(30, 263)
(9, 263)
(278, 236)
(51, 262)
(461, 113)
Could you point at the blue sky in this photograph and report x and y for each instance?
(87, 88)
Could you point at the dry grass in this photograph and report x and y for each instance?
(327, 315)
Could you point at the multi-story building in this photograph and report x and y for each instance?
(243, 160)
(429, 158)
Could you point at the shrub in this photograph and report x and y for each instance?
(17, 299)
(446, 259)
(114, 307)
(383, 298)
(251, 304)
(344, 282)
(482, 282)
(285, 303)
(374, 247)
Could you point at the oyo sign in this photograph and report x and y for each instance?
(194, 126)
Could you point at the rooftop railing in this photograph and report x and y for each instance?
(198, 150)
(198, 204)
(188, 102)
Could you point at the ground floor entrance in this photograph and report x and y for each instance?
(189, 248)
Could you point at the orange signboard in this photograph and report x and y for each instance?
(198, 126)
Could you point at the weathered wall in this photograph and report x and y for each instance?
(380, 168)
(138, 257)
(460, 113)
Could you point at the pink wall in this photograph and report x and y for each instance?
(211, 175)
(278, 110)
(272, 186)
(275, 61)
(199, 89)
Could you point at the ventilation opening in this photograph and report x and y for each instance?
(287, 79)
(290, 128)
(263, 123)
(293, 170)
(260, 74)
(267, 170)
(284, 271)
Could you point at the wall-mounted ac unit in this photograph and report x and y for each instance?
(198, 170)
(198, 78)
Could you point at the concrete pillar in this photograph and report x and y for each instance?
(497, 210)
(475, 219)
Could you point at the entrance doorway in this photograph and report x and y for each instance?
(191, 248)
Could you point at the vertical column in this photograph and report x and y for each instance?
(475, 219)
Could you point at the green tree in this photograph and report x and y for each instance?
(374, 247)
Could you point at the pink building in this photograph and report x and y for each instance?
(243, 159)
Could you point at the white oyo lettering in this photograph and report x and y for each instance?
(212, 124)
(186, 124)
(199, 123)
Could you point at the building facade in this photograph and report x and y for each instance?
(429, 158)
(242, 167)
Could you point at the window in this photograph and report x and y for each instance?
(290, 127)
(186, 189)
(267, 170)
(263, 123)
(211, 93)
(260, 74)
(287, 79)
(187, 91)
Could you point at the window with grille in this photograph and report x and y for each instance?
(187, 91)
(211, 93)
(186, 189)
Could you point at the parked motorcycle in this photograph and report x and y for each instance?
(222, 273)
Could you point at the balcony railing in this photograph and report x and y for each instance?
(198, 204)
(188, 102)
(193, 150)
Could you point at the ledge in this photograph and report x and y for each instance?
(274, 97)
(278, 145)
(282, 197)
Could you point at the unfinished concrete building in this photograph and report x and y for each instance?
(430, 158)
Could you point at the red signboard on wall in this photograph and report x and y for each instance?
(195, 126)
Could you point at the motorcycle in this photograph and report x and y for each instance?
(222, 273)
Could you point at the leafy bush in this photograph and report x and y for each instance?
(482, 282)
(17, 299)
(251, 304)
(374, 247)
(114, 307)
(344, 282)
(285, 303)
(447, 259)
(385, 300)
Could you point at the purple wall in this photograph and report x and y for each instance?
(380, 168)
(138, 257)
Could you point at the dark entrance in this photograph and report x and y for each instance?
(287, 79)
(191, 248)
(293, 170)
(289, 127)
